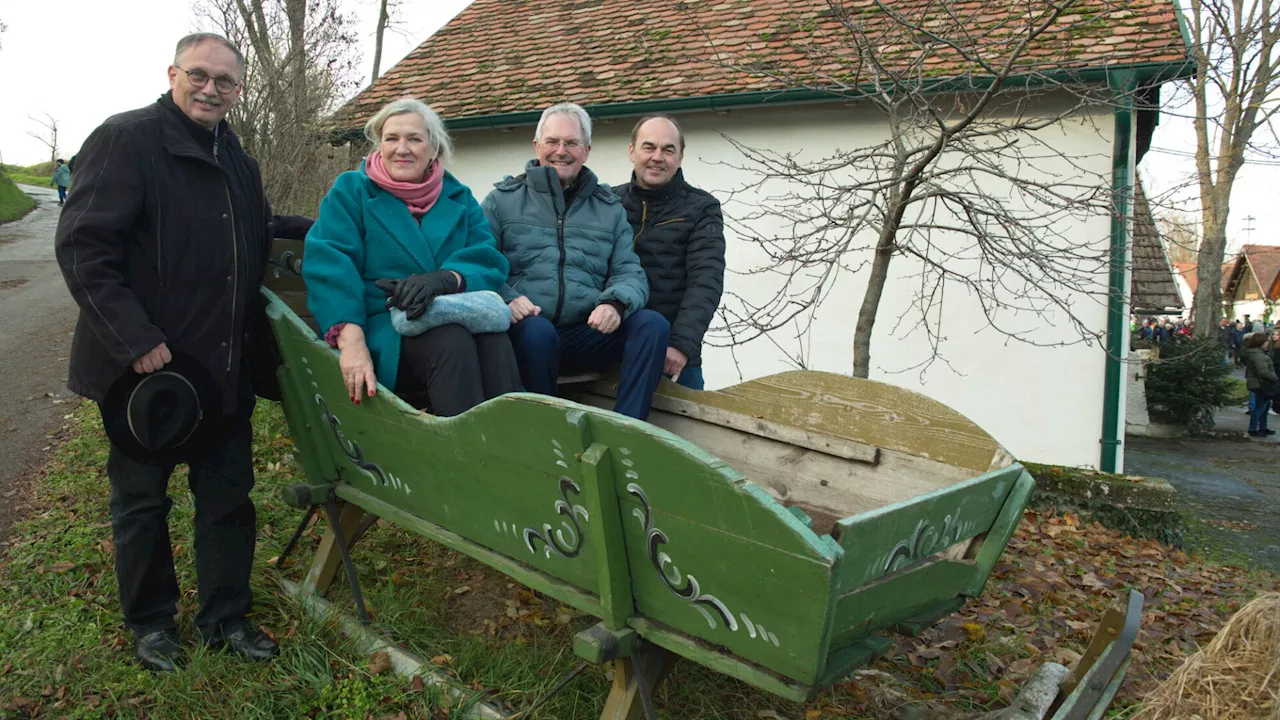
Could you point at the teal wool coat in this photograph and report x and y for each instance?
(364, 233)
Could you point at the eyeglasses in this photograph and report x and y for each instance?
(199, 78)
(566, 144)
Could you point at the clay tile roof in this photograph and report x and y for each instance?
(1152, 287)
(499, 57)
(1265, 261)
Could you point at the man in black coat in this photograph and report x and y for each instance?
(679, 236)
(164, 247)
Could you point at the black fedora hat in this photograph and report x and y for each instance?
(165, 417)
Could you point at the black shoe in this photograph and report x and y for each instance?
(242, 638)
(160, 651)
(1257, 433)
(1267, 431)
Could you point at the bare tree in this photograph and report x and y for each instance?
(963, 186)
(301, 65)
(3, 29)
(1181, 234)
(1234, 95)
(49, 136)
(386, 9)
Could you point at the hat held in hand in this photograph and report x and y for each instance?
(163, 417)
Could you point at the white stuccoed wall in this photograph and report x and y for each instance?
(1043, 404)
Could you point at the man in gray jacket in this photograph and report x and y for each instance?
(577, 291)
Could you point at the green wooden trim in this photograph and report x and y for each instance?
(1002, 529)
(1104, 703)
(1125, 82)
(880, 604)
(895, 537)
(687, 647)
(516, 570)
(851, 657)
(600, 498)
(927, 619)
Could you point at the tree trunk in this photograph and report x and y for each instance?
(871, 302)
(1207, 305)
(377, 42)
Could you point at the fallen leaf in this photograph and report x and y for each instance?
(379, 662)
(416, 684)
(61, 567)
(445, 659)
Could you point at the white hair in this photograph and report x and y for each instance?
(572, 110)
(436, 134)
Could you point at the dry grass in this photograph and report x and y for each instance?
(1237, 677)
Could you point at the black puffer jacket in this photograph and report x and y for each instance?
(679, 236)
(164, 239)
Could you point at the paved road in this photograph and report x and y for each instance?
(37, 316)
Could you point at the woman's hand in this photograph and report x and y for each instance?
(356, 363)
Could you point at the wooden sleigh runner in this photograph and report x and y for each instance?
(770, 531)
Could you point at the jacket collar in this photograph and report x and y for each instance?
(545, 180)
(676, 184)
(183, 136)
(394, 216)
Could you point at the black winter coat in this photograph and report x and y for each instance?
(679, 236)
(164, 239)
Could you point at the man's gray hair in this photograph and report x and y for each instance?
(572, 110)
(436, 133)
(195, 39)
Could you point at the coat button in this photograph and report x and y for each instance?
(224, 344)
(224, 216)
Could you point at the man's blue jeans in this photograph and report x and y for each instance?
(691, 378)
(62, 193)
(640, 343)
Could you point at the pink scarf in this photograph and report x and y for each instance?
(418, 196)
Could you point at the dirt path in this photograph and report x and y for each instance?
(1232, 487)
(37, 317)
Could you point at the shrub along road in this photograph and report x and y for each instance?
(36, 319)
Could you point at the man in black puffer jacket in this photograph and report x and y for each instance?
(679, 236)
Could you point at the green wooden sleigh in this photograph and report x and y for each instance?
(770, 531)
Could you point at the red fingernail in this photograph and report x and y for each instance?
(357, 402)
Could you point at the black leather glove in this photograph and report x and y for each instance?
(414, 293)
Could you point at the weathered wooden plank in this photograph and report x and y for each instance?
(865, 412)
(851, 657)
(328, 556)
(884, 540)
(600, 497)
(720, 661)
(515, 569)
(993, 544)
(713, 556)
(899, 596)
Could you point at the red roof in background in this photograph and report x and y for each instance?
(1188, 273)
(1265, 262)
(509, 56)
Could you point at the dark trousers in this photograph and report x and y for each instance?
(62, 194)
(453, 370)
(640, 343)
(225, 529)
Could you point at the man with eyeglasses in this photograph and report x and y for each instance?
(576, 290)
(164, 246)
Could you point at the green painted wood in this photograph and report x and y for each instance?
(927, 619)
(851, 657)
(713, 556)
(600, 497)
(598, 644)
(511, 567)
(887, 539)
(897, 597)
(691, 649)
(1001, 530)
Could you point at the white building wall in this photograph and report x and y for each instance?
(1043, 404)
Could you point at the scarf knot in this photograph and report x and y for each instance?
(418, 196)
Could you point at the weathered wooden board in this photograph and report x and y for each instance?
(885, 540)
(861, 411)
(899, 596)
(713, 556)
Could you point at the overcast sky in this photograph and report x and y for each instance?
(83, 60)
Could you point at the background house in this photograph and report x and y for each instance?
(499, 63)
(1153, 289)
(1251, 282)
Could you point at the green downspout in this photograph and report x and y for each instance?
(1124, 83)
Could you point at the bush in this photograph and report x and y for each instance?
(13, 202)
(1191, 379)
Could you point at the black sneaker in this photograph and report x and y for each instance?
(160, 651)
(1257, 433)
(1267, 431)
(242, 638)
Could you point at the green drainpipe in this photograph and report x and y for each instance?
(1124, 83)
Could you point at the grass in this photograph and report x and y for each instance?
(14, 203)
(64, 652)
(26, 179)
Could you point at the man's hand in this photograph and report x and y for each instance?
(158, 357)
(522, 308)
(604, 319)
(675, 362)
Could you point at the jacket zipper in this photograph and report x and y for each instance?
(235, 272)
(555, 319)
(644, 217)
